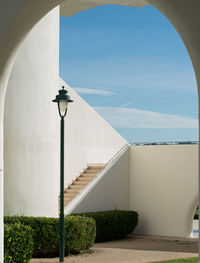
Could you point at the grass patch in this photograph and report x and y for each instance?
(188, 260)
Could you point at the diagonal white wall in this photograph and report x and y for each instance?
(88, 137)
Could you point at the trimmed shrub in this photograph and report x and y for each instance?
(80, 234)
(18, 242)
(196, 215)
(113, 224)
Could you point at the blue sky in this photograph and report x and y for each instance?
(131, 66)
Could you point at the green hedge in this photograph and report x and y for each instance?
(18, 243)
(196, 215)
(80, 234)
(113, 224)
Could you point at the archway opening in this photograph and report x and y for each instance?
(136, 72)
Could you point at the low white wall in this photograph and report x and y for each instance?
(88, 137)
(164, 188)
(111, 192)
(31, 124)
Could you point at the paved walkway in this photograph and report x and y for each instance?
(134, 249)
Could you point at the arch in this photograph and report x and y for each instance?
(16, 20)
(18, 17)
(184, 17)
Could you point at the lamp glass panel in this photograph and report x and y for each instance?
(63, 106)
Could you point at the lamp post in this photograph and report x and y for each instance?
(62, 100)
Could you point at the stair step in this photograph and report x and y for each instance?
(87, 175)
(95, 166)
(78, 183)
(66, 200)
(70, 190)
(69, 193)
(75, 186)
(84, 179)
(68, 197)
(91, 171)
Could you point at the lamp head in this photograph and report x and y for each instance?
(62, 100)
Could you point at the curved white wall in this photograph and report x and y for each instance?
(31, 124)
(164, 188)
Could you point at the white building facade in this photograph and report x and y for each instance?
(29, 126)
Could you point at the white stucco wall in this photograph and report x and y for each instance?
(164, 188)
(111, 192)
(31, 124)
(88, 137)
(32, 127)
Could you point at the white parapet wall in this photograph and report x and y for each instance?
(112, 190)
(164, 188)
(31, 124)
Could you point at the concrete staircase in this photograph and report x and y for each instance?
(88, 174)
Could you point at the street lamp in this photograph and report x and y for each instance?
(62, 100)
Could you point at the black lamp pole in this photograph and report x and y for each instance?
(62, 100)
(62, 223)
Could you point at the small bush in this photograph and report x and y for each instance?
(18, 243)
(113, 224)
(80, 234)
(196, 215)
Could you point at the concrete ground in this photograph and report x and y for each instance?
(134, 249)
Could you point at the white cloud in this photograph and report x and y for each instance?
(93, 91)
(135, 118)
(125, 104)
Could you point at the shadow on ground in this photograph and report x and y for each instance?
(134, 249)
(153, 244)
